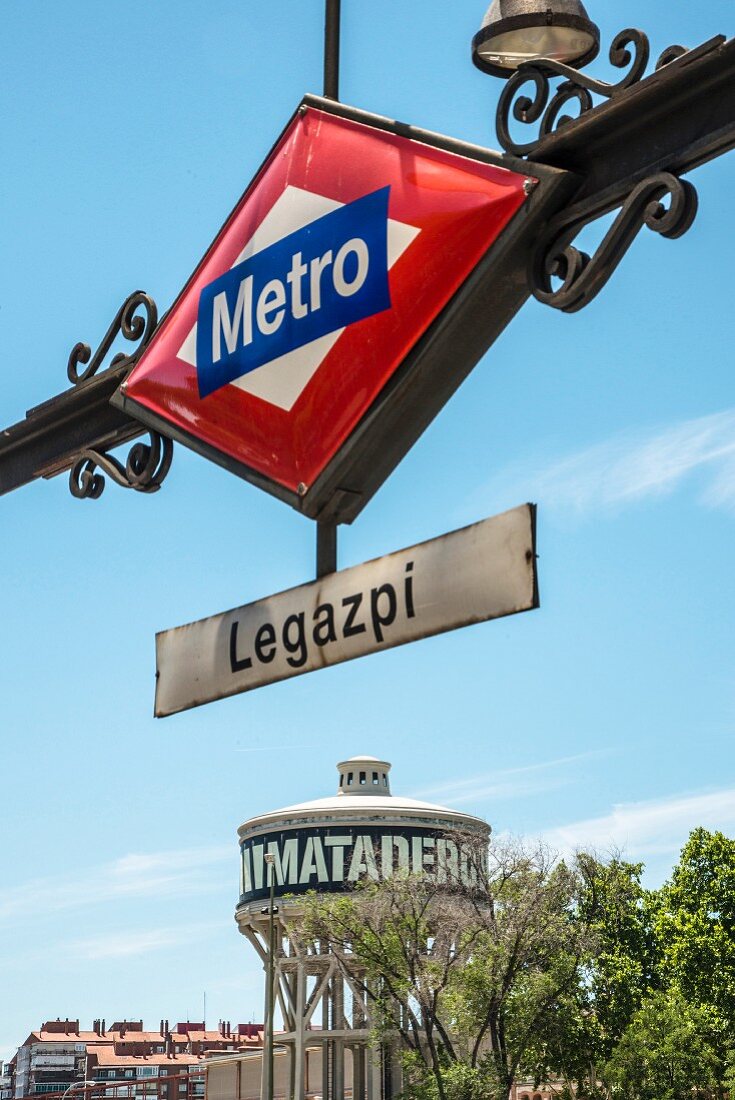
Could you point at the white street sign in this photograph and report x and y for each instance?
(478, 573)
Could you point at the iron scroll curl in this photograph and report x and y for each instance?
(127, 323)
(145, 469)
(584, 276)
(630, 50)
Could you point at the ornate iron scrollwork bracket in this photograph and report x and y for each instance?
(127, 323)
(630, 49)
(147, 464)
(145, 469)
(583, 277)
(661, 201)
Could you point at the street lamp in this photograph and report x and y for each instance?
(269, 1052)
(514, 31)
(85, 1084)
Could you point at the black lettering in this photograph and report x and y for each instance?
(297, 645)
(324, 630)
(379, 621)
(409, 591)
(237, 664)
(353, 602)
(266, 636)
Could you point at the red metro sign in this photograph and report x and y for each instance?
(328, 322)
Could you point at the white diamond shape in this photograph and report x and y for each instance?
(282, 381)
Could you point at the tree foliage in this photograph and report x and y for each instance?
(669, 1051)
(471, 980)
(614, 976)
(695, 923)
(561, 971)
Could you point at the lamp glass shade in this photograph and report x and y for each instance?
(515, 31)
(564, 44)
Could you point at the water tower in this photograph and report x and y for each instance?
(363, 831)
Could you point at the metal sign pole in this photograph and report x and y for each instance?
(331, 49)
(326, 548)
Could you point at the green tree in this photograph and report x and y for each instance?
(555, 970)
(668, 1052)
(403, 940)
(695, 924)
(469, 982)
(585, 1024)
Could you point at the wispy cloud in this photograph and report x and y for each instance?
(174, 873)
(510, 782)
(632, 467)
(653, 828)
(125, 944)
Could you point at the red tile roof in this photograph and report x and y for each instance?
(106, 1056)
(198, 1036)
(136, 1036)
(42, 1036)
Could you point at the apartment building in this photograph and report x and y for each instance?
(6, 1080)
(59, 1057)
(52, 1058)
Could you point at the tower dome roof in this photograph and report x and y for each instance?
(363, 794)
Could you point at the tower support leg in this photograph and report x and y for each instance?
(339, 1045)
(358, 1073)
(299, 1047)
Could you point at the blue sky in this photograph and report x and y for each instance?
(605, 718)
